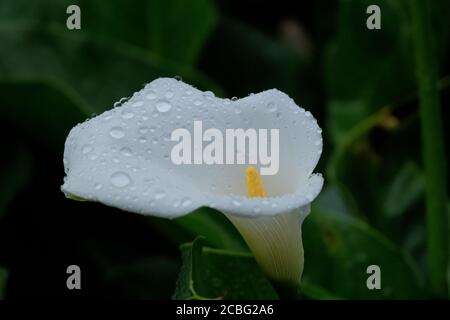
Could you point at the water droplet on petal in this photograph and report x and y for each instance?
(236, 203)
(120, 102)
(127, 115)
(117, 132)
(98, 186)
(198, 103)
(186, 202)
(271, 107)
(126, 152)
(120, 179)
(86, 149)
(138, 104)
(208, 94)
(159, 194)
(169, 94)
(163, 106)
(151, 95)
(143, 130)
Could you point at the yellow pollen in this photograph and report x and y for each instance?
(255, 187)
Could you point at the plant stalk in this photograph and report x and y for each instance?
(433, 147)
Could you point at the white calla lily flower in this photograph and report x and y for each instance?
(122, 158)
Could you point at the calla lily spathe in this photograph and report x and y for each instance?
(122, 158)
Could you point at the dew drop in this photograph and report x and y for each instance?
(86, 149)
(209, 95)
(271, 107)
(159, 194)
(169, 94)
(138, 104)
(151, 95)
(98, 186)
(236, 203)
(186, 202)
(142, 140)
(127, 115)
(117, 132)
(163, 106)
(120, 102)
(198, 103)
(126, 152)
(120, 179)
(143, 130)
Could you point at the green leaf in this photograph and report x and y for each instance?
(314, 292)
(338, 250)
(214, 227)
(405, 190)
(165, 28)
(177, 30)
(209, 273)
(149, 278)
(208, 223)
(273, 63)
(3, 280)
(357, 66)
(100, 71)
(41, 108)
(344, 115)
(168, 29)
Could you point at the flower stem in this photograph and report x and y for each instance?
(433, 146)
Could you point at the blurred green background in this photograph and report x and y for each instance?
(360, 84)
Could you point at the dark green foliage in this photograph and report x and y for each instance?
(360, 84)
